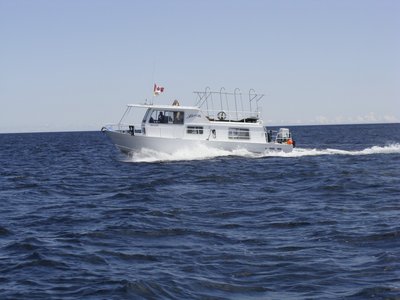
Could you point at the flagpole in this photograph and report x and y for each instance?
(157, 90)
(154, 84)
(154, 93)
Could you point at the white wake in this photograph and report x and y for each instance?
(389, 149)
(203, 153)
(199, 153)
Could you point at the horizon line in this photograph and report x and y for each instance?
(288, 125)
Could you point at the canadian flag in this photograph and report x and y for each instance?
(158, 90)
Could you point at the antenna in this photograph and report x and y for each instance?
(152, 80)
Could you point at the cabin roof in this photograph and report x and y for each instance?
(165, 107)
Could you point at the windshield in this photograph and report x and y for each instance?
(166, 117)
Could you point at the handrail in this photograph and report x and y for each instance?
(125, 113)
(240, 116)
(251, 98)
(206, 100)
(234, 92)
(220, 96)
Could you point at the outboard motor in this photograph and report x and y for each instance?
(284, 137)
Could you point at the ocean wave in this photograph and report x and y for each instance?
(201, 152)
(299, 152)
(205, 153)
(216, 225)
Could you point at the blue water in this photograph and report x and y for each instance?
(78, 220)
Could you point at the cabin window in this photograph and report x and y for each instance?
(166, 117)
(145, 116)
(239, 134)
(194, 130)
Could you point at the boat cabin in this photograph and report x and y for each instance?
(216, 117)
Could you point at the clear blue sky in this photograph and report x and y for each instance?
(73, 65)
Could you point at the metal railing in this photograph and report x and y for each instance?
(231, 104)
(233, 116)
(131, 129)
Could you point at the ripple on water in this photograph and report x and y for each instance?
(77, 222)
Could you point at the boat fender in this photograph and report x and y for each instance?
(290, 142)
(221, 115)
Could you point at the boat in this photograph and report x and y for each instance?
(219, 120)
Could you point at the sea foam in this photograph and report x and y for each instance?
(203, 152)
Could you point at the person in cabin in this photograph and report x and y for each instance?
(178, 117)
(161, 117)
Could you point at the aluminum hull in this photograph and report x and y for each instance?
(130, 144)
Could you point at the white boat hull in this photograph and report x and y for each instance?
(130, 144)
(172, 128)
